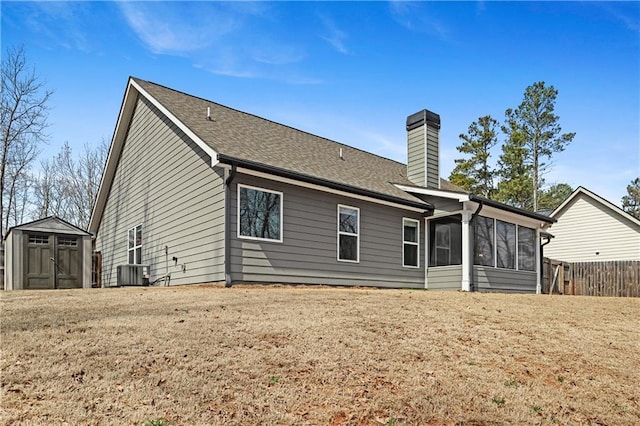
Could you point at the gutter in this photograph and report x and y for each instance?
(541, 260)
(259, 167)
(227, 223)
(506, 207)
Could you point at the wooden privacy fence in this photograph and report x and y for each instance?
(613, 278)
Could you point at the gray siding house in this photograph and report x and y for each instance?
(200, 193)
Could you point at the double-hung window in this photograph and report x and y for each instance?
(259, 213)
(348, 233)
(135, 245)
(410, 243)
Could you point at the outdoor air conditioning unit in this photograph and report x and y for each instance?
(133, 275)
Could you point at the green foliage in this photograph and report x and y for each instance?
(533, 136)
(475, 174)
(157, 422)
(536, 408)
(274, 379)
(515, 185)
(553, 196)
(631, 201)
(498, 400)
(560, 379)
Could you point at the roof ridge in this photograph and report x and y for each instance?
(270, 121)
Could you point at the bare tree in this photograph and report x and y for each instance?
(23, 120)
(67, 187)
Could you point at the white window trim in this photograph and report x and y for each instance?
(417, 222)
(129, 249)
(268, 240)
(357, 235)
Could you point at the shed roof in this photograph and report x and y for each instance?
(50, 225)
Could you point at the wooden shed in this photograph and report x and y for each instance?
(48, 253)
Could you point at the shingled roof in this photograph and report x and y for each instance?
(236, 135)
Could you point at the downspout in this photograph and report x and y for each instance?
(227, 224)
(472, 246)
(541, 260)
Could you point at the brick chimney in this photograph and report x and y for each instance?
(423, 149)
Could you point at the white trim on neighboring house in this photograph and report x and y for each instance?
(357, 234)
(608, 204)
(247, 237)
(301, 184)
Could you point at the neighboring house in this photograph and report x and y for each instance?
(48, 253)
(206, 193)
(590, 228)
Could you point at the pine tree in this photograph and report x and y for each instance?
(552, 197)
(475, 174)
(515, 184)
(631, 201)
(534, 127)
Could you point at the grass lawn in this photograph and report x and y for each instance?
(311, 355)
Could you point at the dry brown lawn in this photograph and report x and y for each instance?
(305, 355)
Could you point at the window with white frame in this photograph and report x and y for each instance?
(445, 241)
(348, 233)
(135, 245)
(526, 249)
(259, 213)
(410, 243)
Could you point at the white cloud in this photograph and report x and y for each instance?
(178, 28)
(415, 16)
(333, 35)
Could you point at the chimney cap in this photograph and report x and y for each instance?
(422, 117)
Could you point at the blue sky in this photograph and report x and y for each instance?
(352, 71)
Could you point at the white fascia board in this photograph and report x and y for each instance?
(433, 192)
(289, 181)
(206, 148)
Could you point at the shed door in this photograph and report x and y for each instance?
(68, 262)
(52, 262)
(38, 268)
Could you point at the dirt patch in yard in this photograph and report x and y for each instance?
(304, 355)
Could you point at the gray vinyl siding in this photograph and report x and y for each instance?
(433, 157)
(308, 253)
(488, 279)
(416, 170)
(444, 278)
(423, 161)
(164, 182)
